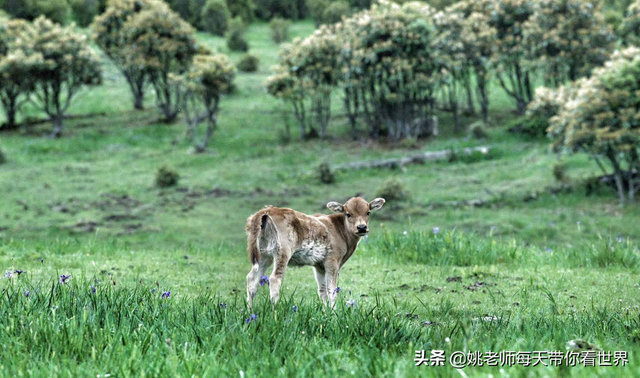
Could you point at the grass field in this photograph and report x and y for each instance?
(535, 265)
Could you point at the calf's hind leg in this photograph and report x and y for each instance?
(279, 267)
(253, 278)
(322, 284)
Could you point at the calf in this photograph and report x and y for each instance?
(283, 237)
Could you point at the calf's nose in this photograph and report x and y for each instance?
(362, 228)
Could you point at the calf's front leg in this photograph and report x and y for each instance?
(331, 279)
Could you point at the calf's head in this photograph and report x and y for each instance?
(356, 213)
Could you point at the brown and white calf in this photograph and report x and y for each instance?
(283, 237)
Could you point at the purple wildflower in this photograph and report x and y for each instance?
(7, 274)
(18, 272)
(264, 280)
(337, 290)
(223, 305)
(436, 230)
(93, 289)
(166, 294)
(252, 318)
(64, 278)
(547, 249)
(620, 239)
(351, 303)
(294, 308)
(153, 291)
(27, 293)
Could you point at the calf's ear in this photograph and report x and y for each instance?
(376, 204)
(335, 207)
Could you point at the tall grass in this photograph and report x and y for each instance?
(453, 248)
(55, 329)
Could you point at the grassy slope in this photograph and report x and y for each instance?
(87, 205)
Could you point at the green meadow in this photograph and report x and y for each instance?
(484, 253)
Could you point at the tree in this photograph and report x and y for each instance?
(567, 38)
(477, 40)
(601, 119)
(453, 68)
(16, 71)
(160, 43)
(68, 65)
(630, 28)
(204, 84)
(283, 85)
(390, 62)
(313, 66)
(514, 75)
(111, 36)
(215, 17)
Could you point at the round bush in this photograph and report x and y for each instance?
(600, 119)
(215, 17)
(56, 10)
(242, 8)
(166, 177)
(84, 11)
(249, 63)
(235, 36)
(279, 29)
(325, 174)
(478, 130)
(267, 9)
(335, 11)
(393, 190)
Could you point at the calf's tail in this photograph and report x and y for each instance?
(255, 226)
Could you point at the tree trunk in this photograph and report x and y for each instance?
(138, 100)
(471, 109)
(57, 126)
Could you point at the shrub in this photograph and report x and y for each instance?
(215, 17)
(599, 119)
(249, 63)
(56, 10)
(382, 71)
(208, 79)
(242, 8)
(63, 63)
(279, 29)
(510, 54)
(335, 11)
(268, 9)
(235, 36)
(16, 72)
(110, 35)
(393, 190)
(84, 11)
(566, 39)
(478, 130)
(316, 10)
(325, 174)
(546, 105)
(560, 171)
(470, 39)
(313, 67)
(166, 177)
(161, 43)
(630, 27)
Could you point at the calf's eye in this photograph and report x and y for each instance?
(348, 215)
(368, 213)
